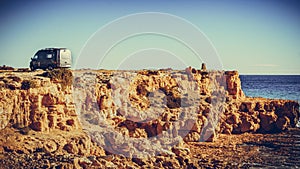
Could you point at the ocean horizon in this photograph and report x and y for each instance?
(272, 86)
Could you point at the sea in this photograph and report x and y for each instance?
(277, 87)
(272, 86)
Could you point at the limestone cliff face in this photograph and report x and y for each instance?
(43, 106)
(37, 114)
(192, 105)
(47, 105)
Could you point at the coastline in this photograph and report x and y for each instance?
(245, 127)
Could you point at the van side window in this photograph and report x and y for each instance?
(49, 56)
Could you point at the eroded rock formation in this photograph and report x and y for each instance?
(36, 102)
(115, 108)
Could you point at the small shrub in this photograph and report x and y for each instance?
(64, 76)
(11, 86)
(27, 84)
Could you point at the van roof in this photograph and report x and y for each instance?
(52, 48)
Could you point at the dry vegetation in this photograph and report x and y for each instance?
(63, 76)
(27, 84)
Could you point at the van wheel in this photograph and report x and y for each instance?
(50, 67)
(32, 68)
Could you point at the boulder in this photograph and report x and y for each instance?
(268, 120)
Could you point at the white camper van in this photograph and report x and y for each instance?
(51, 58)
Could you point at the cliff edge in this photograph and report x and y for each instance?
(96, 114)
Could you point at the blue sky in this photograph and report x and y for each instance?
(253, 37)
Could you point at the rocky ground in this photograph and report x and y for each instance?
(142, 119)
(278, 150)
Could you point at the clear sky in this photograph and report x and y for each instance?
(253, 37)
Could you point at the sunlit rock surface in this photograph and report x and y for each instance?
(146, 118)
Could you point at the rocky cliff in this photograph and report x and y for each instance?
(135, 114)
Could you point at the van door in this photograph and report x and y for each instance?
(42, 60)
(65, 59)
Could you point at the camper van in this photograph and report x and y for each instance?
(51, 58)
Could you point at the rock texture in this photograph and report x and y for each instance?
(193, 104)
(109, 112)
(36, 102)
